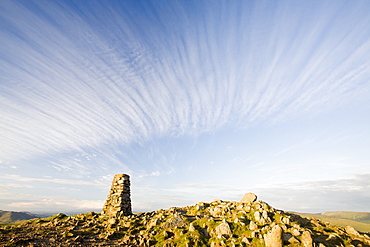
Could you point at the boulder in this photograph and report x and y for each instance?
(274, 238)
(192, 228)
(249, 198)
(350, 230)
(223, 229)
(178, 221)
(257, 216)
(306, 239)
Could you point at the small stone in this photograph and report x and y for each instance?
(253, 226)
(296, 232)
(285, 220)
(112, 221)
(245, 240)
(264, 215)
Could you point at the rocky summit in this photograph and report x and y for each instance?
(217, 223)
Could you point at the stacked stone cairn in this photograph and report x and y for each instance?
(118, 202)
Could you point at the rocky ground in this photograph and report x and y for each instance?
(219, 223)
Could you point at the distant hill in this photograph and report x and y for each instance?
(342, 219)
(363, 217)
(7, 217)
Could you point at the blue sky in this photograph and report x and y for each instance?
(195, 100)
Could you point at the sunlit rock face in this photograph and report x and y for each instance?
(118, 202)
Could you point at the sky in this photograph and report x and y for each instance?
(195, 100)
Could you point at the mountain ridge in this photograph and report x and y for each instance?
(7, 217)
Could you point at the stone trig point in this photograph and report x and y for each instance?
(118, 202)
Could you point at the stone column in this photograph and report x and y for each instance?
(118, 201)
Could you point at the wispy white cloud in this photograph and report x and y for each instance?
(70, 83)
(155, 174)
(9, 186)
(52, 180)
